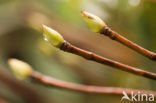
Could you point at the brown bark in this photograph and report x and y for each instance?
(52, 82)
(94, 57)
(117, 37)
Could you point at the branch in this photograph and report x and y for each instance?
(117, 37)
(24, 91)
(95, 22)
(52, 82)
(22, 70)
(55, 39)
(94, 57)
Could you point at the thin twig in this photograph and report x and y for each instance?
(117, 37)
(94, 57)
(49, 81)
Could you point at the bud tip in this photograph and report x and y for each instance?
(95, 23)
(21, 69)
(52, 36)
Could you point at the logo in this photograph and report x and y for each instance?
(137, 97)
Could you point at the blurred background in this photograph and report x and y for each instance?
(21, 38)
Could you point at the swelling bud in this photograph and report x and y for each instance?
(21, 69)
(95, 23)
(52, 36)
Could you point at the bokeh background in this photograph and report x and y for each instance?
(21, 38)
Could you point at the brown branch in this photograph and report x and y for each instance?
(27, 93)
(117, 37)
(52, 82)
(94, 57)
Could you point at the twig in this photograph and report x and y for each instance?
(96, 24)
(117, 37)
(94, 57)
(52, 82)
(55, 39)
(20, 66)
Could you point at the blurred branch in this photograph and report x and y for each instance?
(24, 91)
(52, 82)
(21, 68)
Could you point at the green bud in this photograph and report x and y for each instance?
(52, 36)
(94, 23)
(21, 69)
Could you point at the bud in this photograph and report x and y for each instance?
(94, 23)
(21, 69)
(52, 36)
